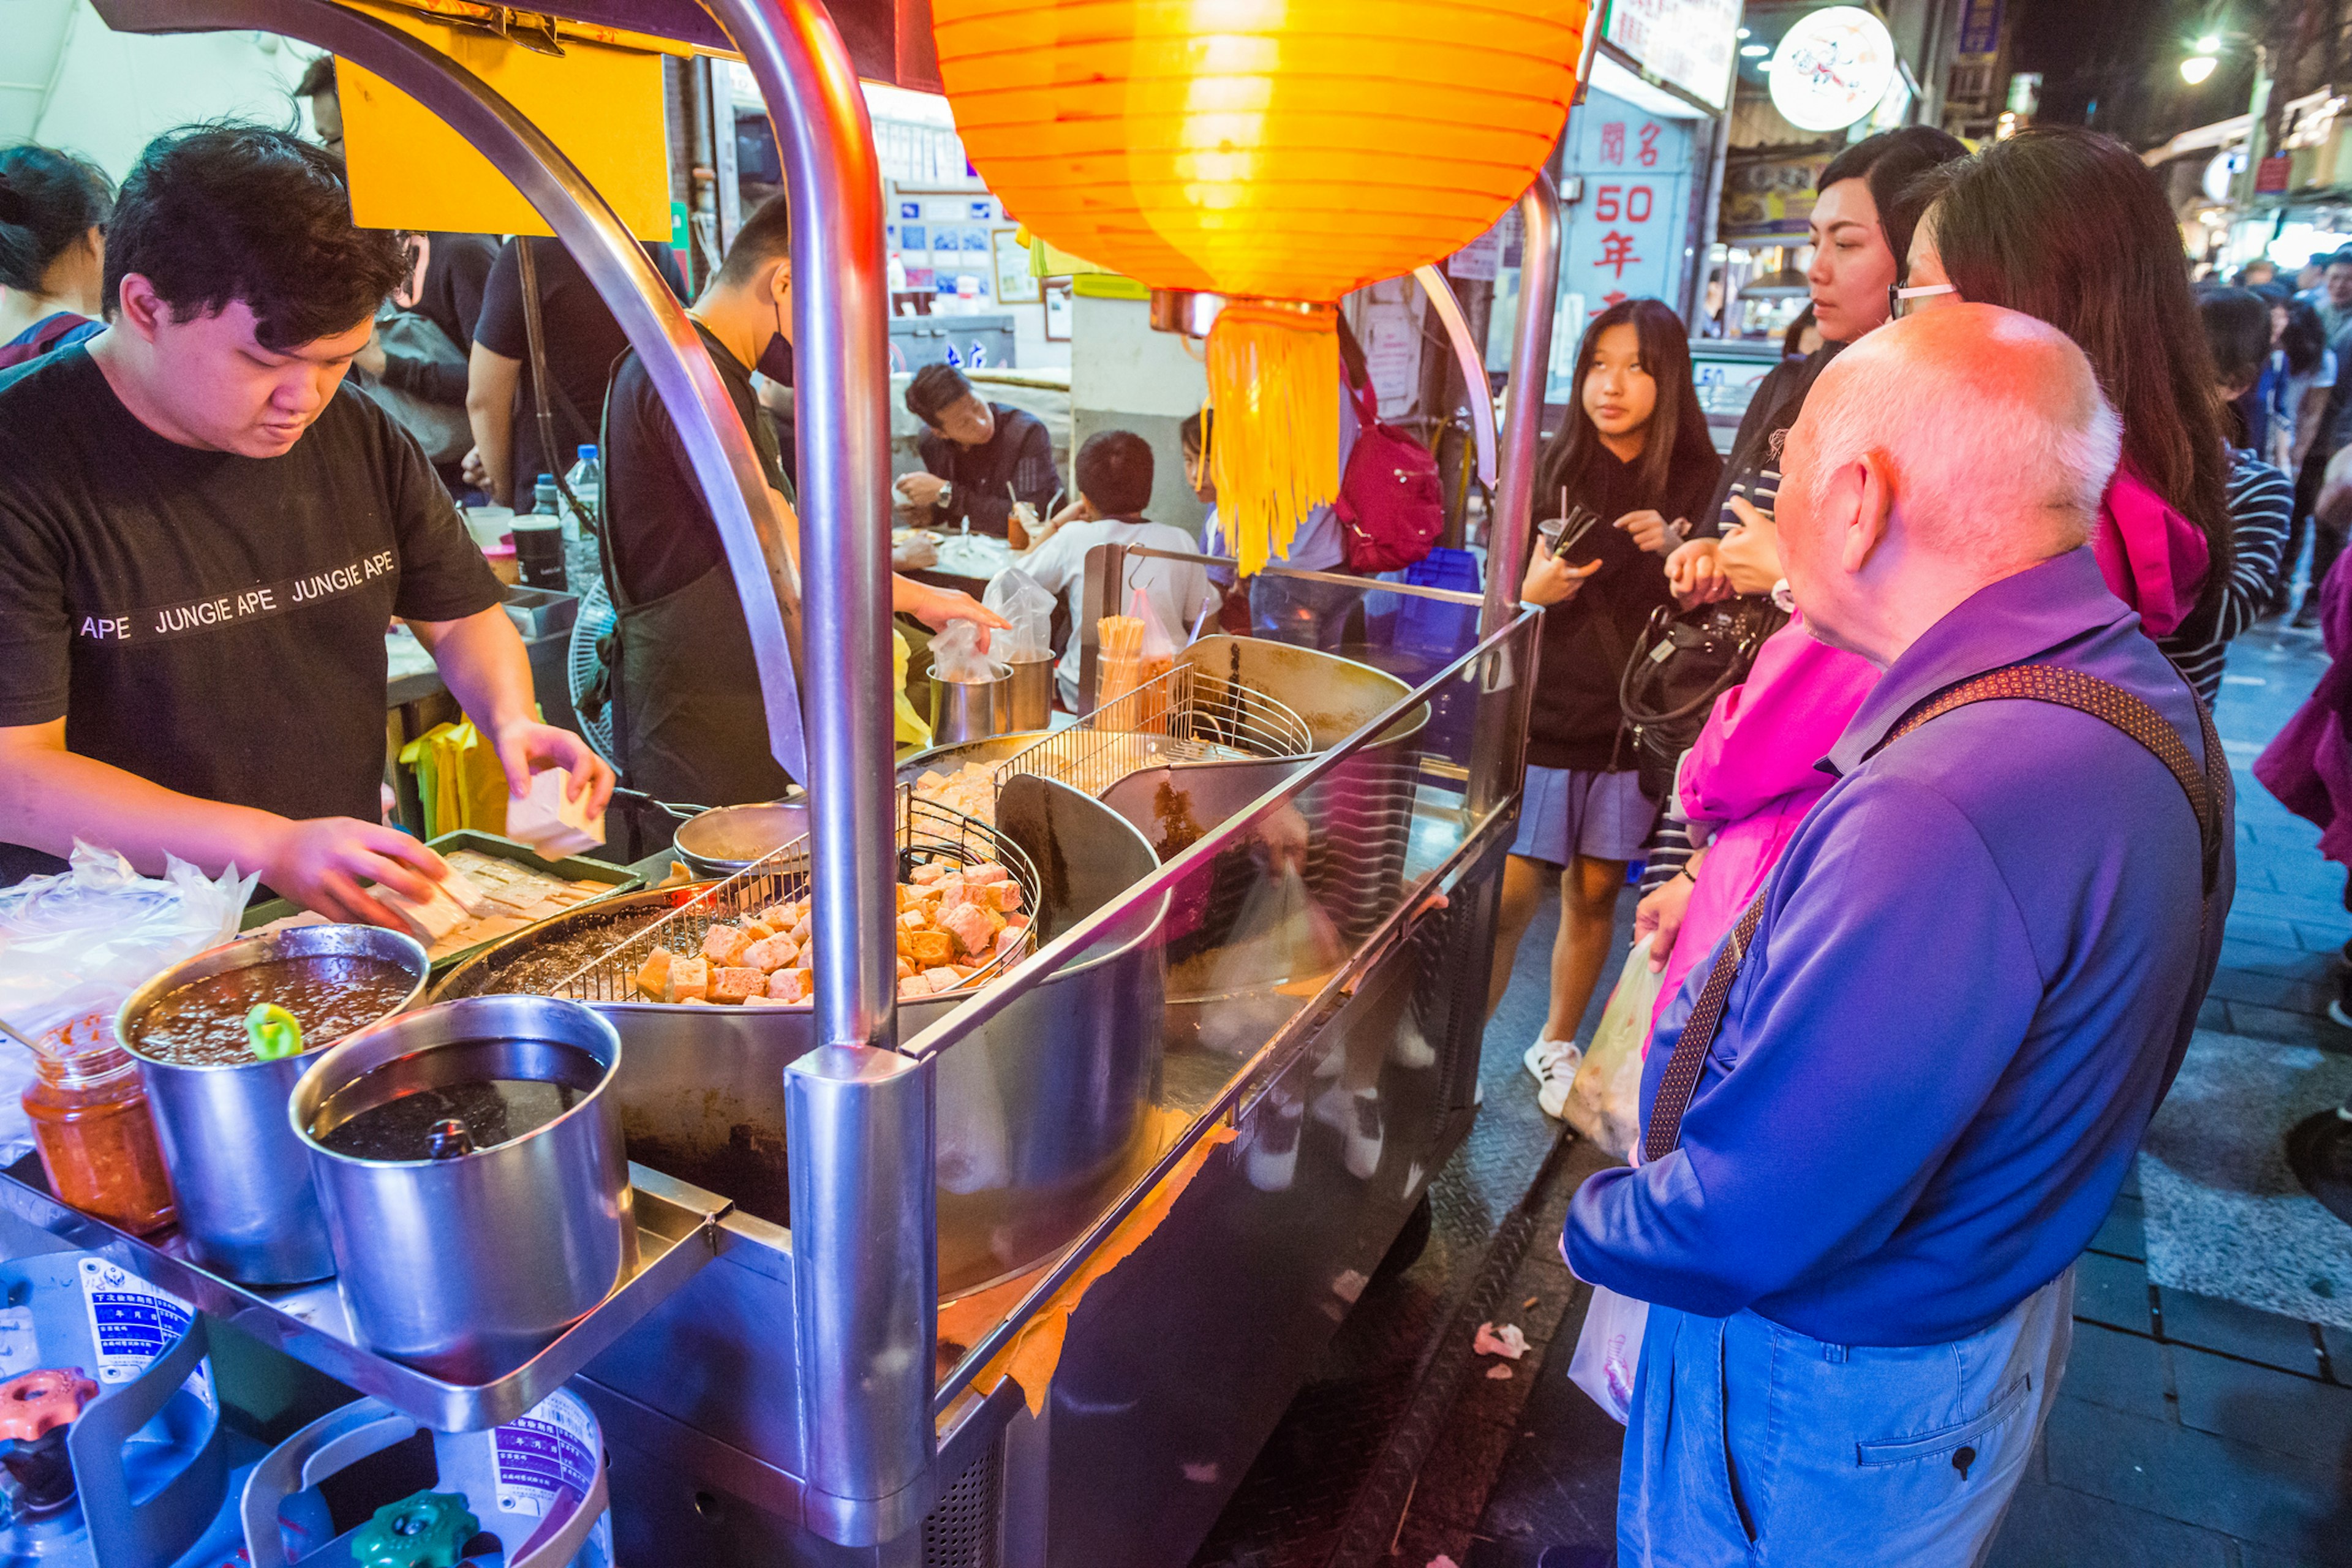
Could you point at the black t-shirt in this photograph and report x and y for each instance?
(1019, 453)
(583, 342)
(1585, 642)
(214, 623)
(457, 272)
(661, 532)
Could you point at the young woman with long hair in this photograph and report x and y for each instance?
(2303, 370)
(2069, 225)
(53, 208)
(1634, 451)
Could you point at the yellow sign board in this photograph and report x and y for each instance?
(603, 106)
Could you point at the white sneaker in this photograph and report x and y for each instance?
(1356, 1117)
(1274, 1148)
(1411, 1049)
(1553, 1064)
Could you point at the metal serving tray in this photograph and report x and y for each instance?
(677, 1233)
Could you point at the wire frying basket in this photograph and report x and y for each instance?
(928, 833)
(1184, 714)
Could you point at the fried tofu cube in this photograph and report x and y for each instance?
(800, 932)
(929, 871)
(689, 980)
(968, 926)
(986, 871)
(914, 988)
(723, 944)
(1016, 922)
(789, 985)
(1003, 895)
(764, 1000)
(652, 975)
(914, 919)
(732, 983)
(756, 928)
(772, 953)
(942, 978)
(1009, 940)
(928, 949)
(905, 968)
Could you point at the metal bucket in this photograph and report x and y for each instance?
(469, 1263)
(247, 1208)
(971, 710)
(726, 838)
(1028, 695)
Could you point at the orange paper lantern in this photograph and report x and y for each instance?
(1270, 151)
(1287, 149)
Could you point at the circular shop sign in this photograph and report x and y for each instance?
(1831, 68)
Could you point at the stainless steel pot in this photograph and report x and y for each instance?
(726, 838)
(467, 1264)
(1027, 699)
(971, 710)
(248, 1207)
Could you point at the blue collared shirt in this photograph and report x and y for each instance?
(1979, 966)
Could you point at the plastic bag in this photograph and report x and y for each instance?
(1604, 1103)
(1133, 650)
(73, 945)
(1609, 1350)
(1280, 946)
(1022, 600)
(956, 655)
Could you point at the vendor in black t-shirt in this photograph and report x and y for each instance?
(688, 719)
(979, 458)
(203, 535)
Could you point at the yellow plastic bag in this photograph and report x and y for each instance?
(909, 727)
(458, 780)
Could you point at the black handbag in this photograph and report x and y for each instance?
(1680, 665)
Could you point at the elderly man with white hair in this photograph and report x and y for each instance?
(1884, 1118)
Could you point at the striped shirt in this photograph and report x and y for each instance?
(2261, 500)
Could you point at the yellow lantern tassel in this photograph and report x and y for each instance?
(1274, 389)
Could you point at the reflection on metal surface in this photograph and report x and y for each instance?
(1507, 539)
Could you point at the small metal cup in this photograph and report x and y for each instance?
(971, 711)
(246, 1205)
(467, 1266)
(1028, 695)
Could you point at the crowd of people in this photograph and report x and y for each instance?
(1917, 997)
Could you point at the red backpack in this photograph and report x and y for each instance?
(1392, 503)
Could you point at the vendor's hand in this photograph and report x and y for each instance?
(526, 746)
(921, 490)
(1749, 555)
(1651, 531)
(1694, 574)
(320, 863)
(370, 359)
(1662, 913)
(1551, 581)
(936, 607)
(473, 470)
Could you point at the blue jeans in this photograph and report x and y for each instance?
(1305, 614)
(1754, 1444)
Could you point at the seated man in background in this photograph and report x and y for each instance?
(1882, 1123)
(980, 458)
(1114, 473)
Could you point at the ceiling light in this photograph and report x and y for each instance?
(2208, 45)
(1753, 51)
(2197, 68)
(1743, 32)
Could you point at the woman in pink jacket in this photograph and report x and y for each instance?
(1751, 775)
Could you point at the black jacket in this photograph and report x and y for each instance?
(1021, 454)
(1753, 470)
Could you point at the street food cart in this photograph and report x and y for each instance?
(1049, 1256)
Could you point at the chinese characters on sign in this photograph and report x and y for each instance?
(1626, 234)
(1688, 43)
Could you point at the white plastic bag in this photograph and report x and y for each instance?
(956, 655)
(1609, 1350)
(73, 945)
(1023, 602)
(1604, 1103)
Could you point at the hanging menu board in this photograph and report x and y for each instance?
(1687, 44)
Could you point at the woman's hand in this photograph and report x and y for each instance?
(1694, 575)
(1749, 557)
(935, 607)
(1652, 532)
(1551, 581)
(1662, 913)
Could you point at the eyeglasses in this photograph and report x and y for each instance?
(1899, 300)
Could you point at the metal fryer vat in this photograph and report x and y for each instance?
(1041, 1117)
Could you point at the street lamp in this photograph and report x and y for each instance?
(2197, 68)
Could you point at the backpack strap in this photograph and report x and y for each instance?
(2208, 789)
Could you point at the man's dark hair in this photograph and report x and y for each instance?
(2305, 338)
(215, 213)
(766, 236)
(48, 200)
(318, 78)
(1114, 473)
(2238, 329)
(1194, 429)
(934, 387)
(2339, 258)
(1888, 163)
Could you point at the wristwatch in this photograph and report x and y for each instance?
(947, 494)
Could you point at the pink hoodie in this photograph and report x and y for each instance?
(1751, 771)
(2153, 558)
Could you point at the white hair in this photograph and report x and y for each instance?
(2001, 452)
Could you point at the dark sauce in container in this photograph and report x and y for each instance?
(491, 1110)
(202, 1024)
